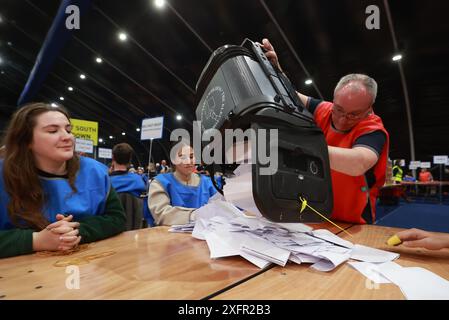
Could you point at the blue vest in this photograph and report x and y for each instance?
(186, 196)
(128, 183)
(92, 183)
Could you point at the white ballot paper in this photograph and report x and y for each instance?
(367, 254)
(239, 190)
(415, 283)
(369, 270)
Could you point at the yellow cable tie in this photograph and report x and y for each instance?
(304, 204)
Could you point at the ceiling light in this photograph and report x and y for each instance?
(159, 3)
(137, 129)
(123, 133)
(179, 117)
(61, 98)
(1, 60)
(70, 88)
(9, 43)
(308, 82)
(397, 57)
(99, 60)
(122, 36)
(54, 105)
(111, 137)
(82, 76)
(100, 140)
(2, 72)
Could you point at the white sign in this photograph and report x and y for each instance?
(412, 166)
(105, 153)
(152, 128)
(440, 159)
(415, 163)
(425, 165)
(82, 145)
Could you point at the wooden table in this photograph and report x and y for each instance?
(301, 282)
(147, 264)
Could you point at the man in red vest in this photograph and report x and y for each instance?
(357, 143)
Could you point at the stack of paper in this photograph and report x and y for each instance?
(229, 232)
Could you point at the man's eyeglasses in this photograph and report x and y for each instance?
(351, 115)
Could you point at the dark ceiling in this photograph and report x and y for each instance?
(155, 72)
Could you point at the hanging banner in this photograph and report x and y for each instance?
(440, 159)
(425, 165)
(152, 128)
(104, 153)
(415, 163)
(83, 129)
(82, 145)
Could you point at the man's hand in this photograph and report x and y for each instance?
(414, 238)
(273, 57)
(270, 53)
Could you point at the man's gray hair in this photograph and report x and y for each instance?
(368, 82)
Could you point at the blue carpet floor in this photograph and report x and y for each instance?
(431, 217)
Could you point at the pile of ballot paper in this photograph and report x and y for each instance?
(229, 232)
(233, 226)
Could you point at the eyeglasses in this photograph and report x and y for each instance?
(351, 115)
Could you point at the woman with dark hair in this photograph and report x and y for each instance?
(173, 197)
(51, 199)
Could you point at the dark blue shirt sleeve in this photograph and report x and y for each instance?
(312, 104)
(374, 140)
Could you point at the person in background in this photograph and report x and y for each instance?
(425, 176)
(397, 172)
(51, 199)
(122, 179)
(409, 177)
(357, 143)
(152, 169)
(416, 238)
(164, 167)
(143, 175)
(174, 197)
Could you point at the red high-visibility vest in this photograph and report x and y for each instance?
(351, 194)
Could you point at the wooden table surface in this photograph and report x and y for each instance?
(301, 282)
(147, 264)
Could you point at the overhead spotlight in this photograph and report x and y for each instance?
(159, 3)
(9, 43)
(397, 57)
(122, 36)
(308, 82)
(111, 137)
(100, 140)
(179, 117)
(70, 88)
(61, 98)
(82, 76)
(54, 105)
(99, 60)
(123, 133)
(2, 72)
(138, 129)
